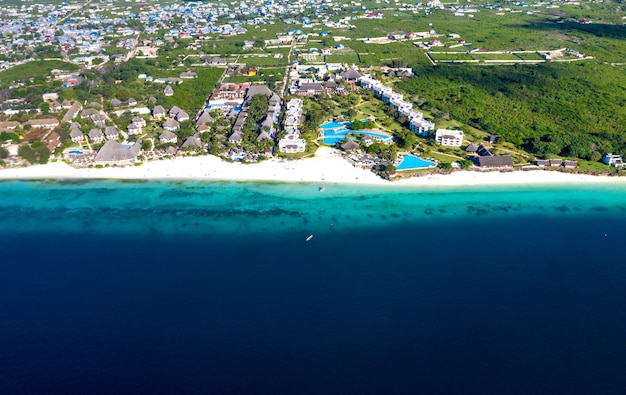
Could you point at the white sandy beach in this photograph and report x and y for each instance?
(326, 167)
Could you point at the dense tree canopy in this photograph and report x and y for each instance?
(569, 109)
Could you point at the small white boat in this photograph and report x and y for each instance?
(321, 189)
(309, 238)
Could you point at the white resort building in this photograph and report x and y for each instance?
(451, 138)
(417, 123)
(292, 142)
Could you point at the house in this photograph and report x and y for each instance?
(96, 136)
(310, 89)
(171, 125)
(236, 136)
(139, 121)
(570, 164)
(168, 91)
(182, 116)
(133, 129)
(158, 112)
(498, 161)
(556, 162)
(203, 128)
(471, 148)
(116, 102)
(168, 137)
(204, 118)
(114, 153)
(613, 160)
(89, 113)
(543, 162)
(173, 111)
(188, 74)
(53, 141)
(193, 142)
(72, 112)
(76, 135)
(111, 133)
(450, 138)
(132, 101)
(351, 75)
(46, 123)
(8, 125)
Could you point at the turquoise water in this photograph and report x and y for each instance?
(413, 162)
(231, 208)
(197, 287)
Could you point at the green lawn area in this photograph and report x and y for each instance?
(449, 56)
(530, 56)
(495, 56)
(39, 69)
(191, 94)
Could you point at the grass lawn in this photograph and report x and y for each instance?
(39, 69)
(191, 94)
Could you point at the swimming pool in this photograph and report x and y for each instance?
(75, 152)
(335, 132)
(410, 162)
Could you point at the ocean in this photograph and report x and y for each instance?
(212, 287)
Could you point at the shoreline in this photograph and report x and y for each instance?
(326, 167)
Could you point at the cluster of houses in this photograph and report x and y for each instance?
(267, 130)
(417, 123)
(228, 96)
(292, 142)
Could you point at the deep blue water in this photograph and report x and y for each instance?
(187, 287)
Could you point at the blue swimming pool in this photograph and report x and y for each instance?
(335, 132)
(75, 152)
(410, 162)
(334, 125)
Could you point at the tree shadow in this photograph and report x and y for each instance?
(596, 29)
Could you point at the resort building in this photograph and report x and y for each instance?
(292, 142)
(193, 142)
(76, 135)
(114, 153)
(158, 112)
(46, 123)
(96, 136)
(417, 123)
(498, 161)
(171, 125)
(111, 133)
(450, 138)
(271, 116)
(168, 137)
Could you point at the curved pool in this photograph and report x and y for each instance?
(410, 162)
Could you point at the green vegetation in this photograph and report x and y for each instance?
(568, 109)
(38, 70)
(35, 152)
(191, 94)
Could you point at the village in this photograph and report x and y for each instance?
(253, 112)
